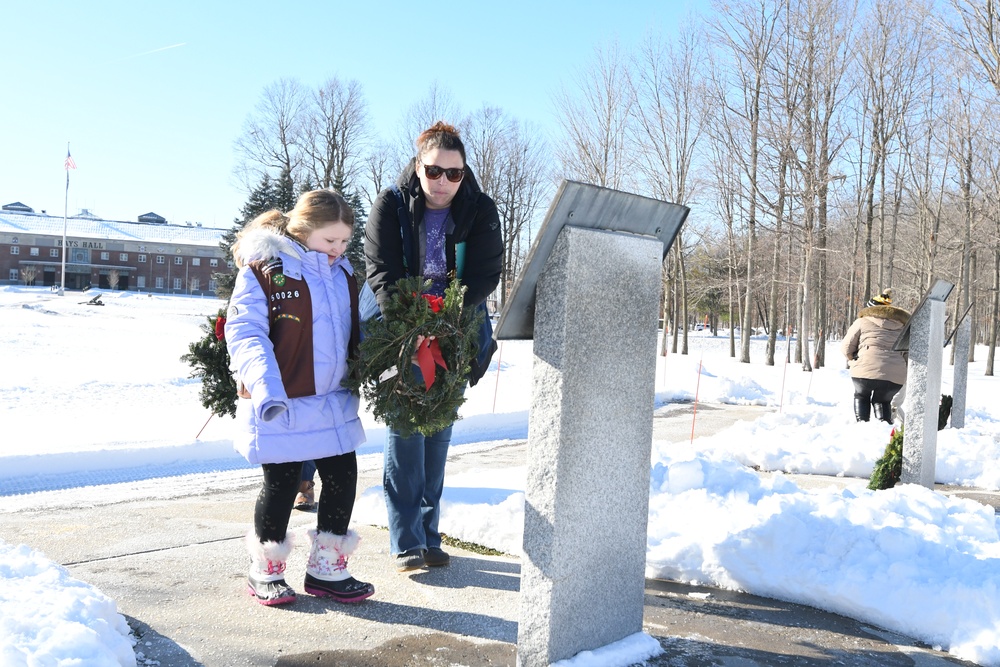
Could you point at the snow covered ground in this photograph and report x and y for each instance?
(98, 396)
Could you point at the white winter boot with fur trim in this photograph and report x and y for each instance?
(266, 581)
(326, 573)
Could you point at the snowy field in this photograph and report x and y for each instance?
(101, 409)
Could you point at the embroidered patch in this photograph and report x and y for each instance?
(278, 279)
(286, 316)
(233, 311)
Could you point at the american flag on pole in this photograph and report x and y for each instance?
(70, 162)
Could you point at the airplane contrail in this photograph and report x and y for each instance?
(146, 53)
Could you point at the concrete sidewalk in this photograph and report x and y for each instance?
(177, 567)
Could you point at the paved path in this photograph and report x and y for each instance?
(176, 568)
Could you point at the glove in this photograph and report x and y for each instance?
(272, 410)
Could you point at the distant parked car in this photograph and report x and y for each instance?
(700, 326)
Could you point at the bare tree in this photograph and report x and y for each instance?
(438, 104)
(891, 50)
(594, 118)
(382, 164)
(113, 276)
(991, 209)
(28, 274)
(747, 30)
(977, 34)
(926, 146)
(334, 128)
(512, 165)
(272, 134)
(670, 112)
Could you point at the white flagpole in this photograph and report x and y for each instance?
(62, 273)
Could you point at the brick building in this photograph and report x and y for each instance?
(148, 255)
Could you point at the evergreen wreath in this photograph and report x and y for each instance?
(383, 371)
(889, 469)
(209, 359)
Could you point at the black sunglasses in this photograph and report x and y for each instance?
(433, 172)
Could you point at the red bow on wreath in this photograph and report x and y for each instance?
(430, 355)
(220, 328)
(435, 302)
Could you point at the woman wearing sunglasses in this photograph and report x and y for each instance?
(436, 223)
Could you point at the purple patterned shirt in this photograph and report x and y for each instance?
(435, 262)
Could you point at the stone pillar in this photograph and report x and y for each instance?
(589, 440)
(961, 376)
(923, 394)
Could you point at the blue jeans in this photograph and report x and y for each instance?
(413, 479)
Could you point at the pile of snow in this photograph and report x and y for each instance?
(49, 618)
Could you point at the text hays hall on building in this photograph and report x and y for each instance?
(149, 255)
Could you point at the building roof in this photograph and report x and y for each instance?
(152, 217)
(18, 206)
(109, 230)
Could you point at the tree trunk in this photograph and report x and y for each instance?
(684, 296)
(995, 312)
(772, 308)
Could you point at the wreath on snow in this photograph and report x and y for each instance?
(384, 370)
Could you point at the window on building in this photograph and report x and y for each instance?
(53, 252)
(178, 261)
(141, 282)
(177, 284)
(159, 259)
(105, 256)
(213, 263)
(15, 250)
(142, 259)
(196, 261)
(123, 257)
(213, 285)
(159, 282)
(33, 252)
(12, 275)
(195, 284)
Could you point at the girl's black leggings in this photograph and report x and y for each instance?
(337, 474)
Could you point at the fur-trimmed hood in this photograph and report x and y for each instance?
(264, 244)
(886, 313)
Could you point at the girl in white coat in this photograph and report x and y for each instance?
(291, 324)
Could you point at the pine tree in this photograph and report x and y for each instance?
(284, 193)
(356, 246)
(263, 198)
(306, 186)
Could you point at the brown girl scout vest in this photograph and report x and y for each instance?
(291, 332)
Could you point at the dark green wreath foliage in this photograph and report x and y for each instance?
(889, 468)
(402, 401)
(209, 359)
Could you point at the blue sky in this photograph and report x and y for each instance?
(151, 96)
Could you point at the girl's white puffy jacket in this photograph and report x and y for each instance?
(272, 427)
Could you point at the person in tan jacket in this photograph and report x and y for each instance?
(878, 371)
